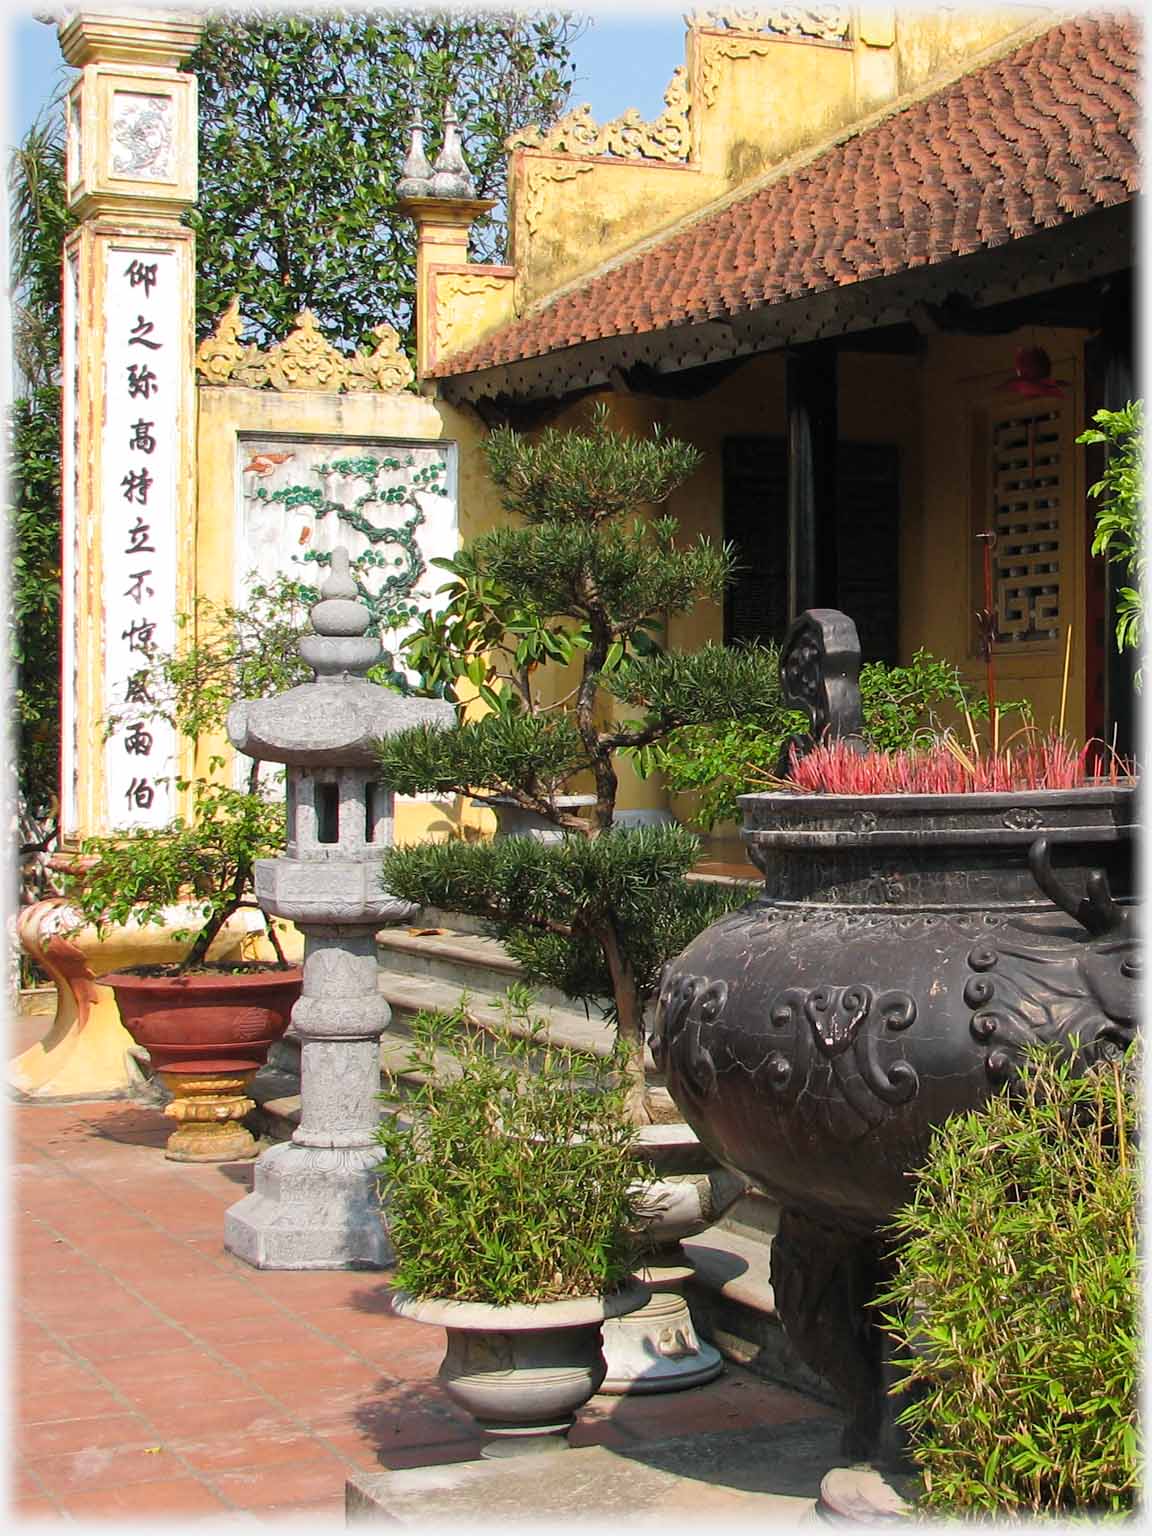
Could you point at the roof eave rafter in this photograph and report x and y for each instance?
(1093, 245)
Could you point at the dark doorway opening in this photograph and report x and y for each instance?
(867, 522)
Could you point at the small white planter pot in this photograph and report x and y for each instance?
(512, 820)
(522, 1371)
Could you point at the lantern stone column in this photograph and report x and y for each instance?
(315, 1203)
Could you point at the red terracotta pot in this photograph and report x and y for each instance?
(207, 1022)
(206, 1035)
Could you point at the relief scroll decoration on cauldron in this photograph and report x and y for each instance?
(905, 953)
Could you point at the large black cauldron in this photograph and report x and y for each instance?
(904, 952)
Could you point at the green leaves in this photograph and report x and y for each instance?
(616, 575)
(738, 689)
(303, 126)
(1119, 518)
(588, 476)
(716, 683)
(552, 902)
(514, 1181)
(34, 617)
(488, 634)
(40, 221)
(206, 861)
(503, 752)
(1016, 1296)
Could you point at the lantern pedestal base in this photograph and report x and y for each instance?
(312, 1208)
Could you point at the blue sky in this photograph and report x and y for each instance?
(625, 59)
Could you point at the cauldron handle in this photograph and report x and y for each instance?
(820, 673)
(1096, 911)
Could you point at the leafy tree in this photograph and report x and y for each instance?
(40, 221)
(903, 707)
(583, 581)
(34, 626)
(303, 125)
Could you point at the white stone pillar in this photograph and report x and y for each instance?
(129, 402)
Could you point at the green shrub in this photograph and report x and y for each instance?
(510, 1186)
(1016, 1297)
(903, 707)
(1120, 514)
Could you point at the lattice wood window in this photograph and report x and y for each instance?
(1027, 503)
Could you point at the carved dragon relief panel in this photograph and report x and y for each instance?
(303, 360)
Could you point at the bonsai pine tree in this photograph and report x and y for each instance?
(575, 593)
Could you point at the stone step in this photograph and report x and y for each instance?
(439, 949)
(276, 1088)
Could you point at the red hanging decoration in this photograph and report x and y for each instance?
(1033, 377)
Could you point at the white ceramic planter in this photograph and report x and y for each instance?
(522, 1371)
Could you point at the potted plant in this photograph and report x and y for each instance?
(514, 1201)
(925, 917)
(207, 1026)
(1015, 1300)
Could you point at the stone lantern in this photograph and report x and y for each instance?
(315, 1203)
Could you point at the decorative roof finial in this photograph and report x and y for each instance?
(451, 176)
(415, 173)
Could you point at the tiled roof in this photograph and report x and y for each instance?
(1043, 135)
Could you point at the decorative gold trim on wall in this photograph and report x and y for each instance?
(451, 288)
(536, 184)
(303, 360)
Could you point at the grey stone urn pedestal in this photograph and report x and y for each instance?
(315, 1204)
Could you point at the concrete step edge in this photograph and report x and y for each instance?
(465, 948)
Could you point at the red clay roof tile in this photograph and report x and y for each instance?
(1047, 133)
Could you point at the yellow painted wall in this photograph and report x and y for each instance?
(941, 572)
(757, 104)
(923, 403)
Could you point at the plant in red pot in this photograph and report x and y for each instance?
(207, 1027)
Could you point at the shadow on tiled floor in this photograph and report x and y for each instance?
(157, 1377)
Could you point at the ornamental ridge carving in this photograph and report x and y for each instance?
(303, 360)
(626, 137)
(822, 23)
(534, 201)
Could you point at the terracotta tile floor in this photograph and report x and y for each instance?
(156, 1376)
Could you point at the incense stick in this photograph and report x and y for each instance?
(1064, 684)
